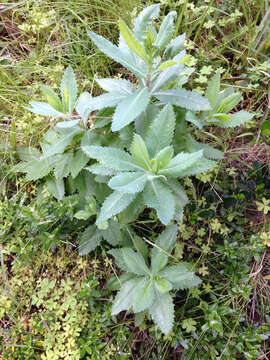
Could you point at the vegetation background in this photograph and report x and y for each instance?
(53, 303)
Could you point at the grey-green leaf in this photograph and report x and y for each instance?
(78, 163)
(134, 262)
(213, 89)
(112, 158)
(119, 85)
(69, 90)
(56, 187)
(144, 296)
(115, 53)
(160, 133)
(125, 296)
(190, 100)
(139, 152)
(166, 31)
(144, 19)
(114, 204)
(42, 108)
(129, 108)
(129, 182)
(180, 277)
(162, 312)
(157, 195)
(89, 240)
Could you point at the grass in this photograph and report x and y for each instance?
(223, 231)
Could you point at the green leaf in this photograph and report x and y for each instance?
(160, 133)
(112, 158)
(222, 117)
(63, 165)
(113, 233)
(265, 128)
(42, 108)
(166, 31)
(68, 90)
(139, 152)
(116, 54)
(28, 153)
(37, 169)
(213, 89)
(78, 163)
(64, 126)
(143, 121)
(114, 204)
(180, 277)
(128, 182)
(144, 19)
(158, 196)
(191, 145)
(132, 211)
(163, 248)
(180, 198)
(134, 262)
(59, 145)
(83, 215)
(163, 286)
(190, 100)
(162, 312)
(163, 157)
(228, 103)
(131, 41)
(119, 85)
(52, 98)
(166, 77)
(144, 296)
(89, 240)
(56, 187)
(125, 296)
(236, 119)
(129, 108)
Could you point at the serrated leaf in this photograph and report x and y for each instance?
(131, 212)
(113, 233)
(119, 85)
(158, 196)
(128, 182)
(175, 46)
(181, 162)
(42, 108)
(139, 152)
(140, 246)
(164, 245)
(191, 145)
(131, 40)
(144, 296)
(90, 239)
(213, 89)
(129, 108)
(68, 90)
(52, 98)
(144, 19)
(222, 117)
(166, 31)
(28, 153)
(163, 157)
(163, 286)
(63, 165)
(180, 196)
(236, 119)
(37, 169)
(116, 54)
(82, 106)
(162, 312)
(118, 258)
(192, 118)
(228, 103)
(59, 145)
(56, 187)
(78, 163)
(180, 277)
(100, 170)
(125, 296)
(166, 77)
(190, 100)
(160, 133)
(134, 262)
(114, 204)
(112, 158)
(143, 121)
